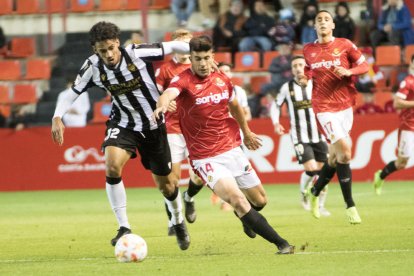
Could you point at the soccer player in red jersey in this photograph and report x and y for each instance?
(330, 63)
(178, 147)
(204, 99)
(404, 100)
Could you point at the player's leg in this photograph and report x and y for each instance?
(405, 149)
(320, 151)
(308, 176)
(174, 177)
(194, 186)
(115, 159)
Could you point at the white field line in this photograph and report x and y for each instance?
(162, 257)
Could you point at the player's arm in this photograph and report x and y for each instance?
(164, 101)
(358, 60)
(62, 107)
(400, 101)
(251, 140)
(275, 111)
(180, 47)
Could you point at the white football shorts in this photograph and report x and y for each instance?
(232, 163)
(336, 125)
(406, 143)
(178, 147)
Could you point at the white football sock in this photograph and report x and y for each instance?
(175, 207)
(322, 197)
(117, 198)
(304, 181)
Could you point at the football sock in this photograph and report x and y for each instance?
(175, 206)
(193, 189)
(325, 175)
(345, 180)
(255, 221)
(305, 178)
(168, 214)
(322, 197)
(388, 169)
(117, 198)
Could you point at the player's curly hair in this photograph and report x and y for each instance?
(102, 31)
(201, 44)
(181, 34)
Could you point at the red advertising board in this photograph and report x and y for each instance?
(30, 161)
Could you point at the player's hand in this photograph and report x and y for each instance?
(303, 81)
(214, 66)
(342, 72)
(58, 128)
(158, 112)
(252, 141)
(279, 129)
(172, 107)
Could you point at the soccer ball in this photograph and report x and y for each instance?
(131, 248)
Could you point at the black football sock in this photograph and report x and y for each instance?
(193, 188)
(257, 208)
(345, 180)
(388, 169)
(259, 224)
(325, 175)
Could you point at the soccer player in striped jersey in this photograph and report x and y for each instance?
(403, 100)
(205, 100)
(178, 147)
(310, 147)
(128, 75)
(330, 63)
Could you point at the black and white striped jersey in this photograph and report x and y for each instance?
(131, 84)
(303, 127)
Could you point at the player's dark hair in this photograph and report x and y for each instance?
(297, 57)
(201, 44)
(323, 11)
(412, 57)
(102, 31)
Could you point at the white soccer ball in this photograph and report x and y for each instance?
(131, 248)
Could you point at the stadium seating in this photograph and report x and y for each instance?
(223, 57)
(256, 83)
(101, 111)
(27, 6)
(380, 98)
(133, 5)
(24, 93)
(268, 57)
(247, 61)
(159, 4)
(4, 94)
(22, 47)
(111, 5)
(10, 70)
(82, 5)
(38, 69)
(55, 6)
(6, 7)
(5, 110)
(409, 52)
(388, 55)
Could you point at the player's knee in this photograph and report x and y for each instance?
(401, 164)
(239, 203)
(344, 158)
(113, 169)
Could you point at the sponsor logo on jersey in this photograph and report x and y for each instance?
(326, 63)
(214, 98)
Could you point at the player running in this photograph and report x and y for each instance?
(404, 100)
(204, 99)
(310, 147)
(330, 63)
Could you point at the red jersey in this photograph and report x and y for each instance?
(164, 76)
(406, 92)
(331, 93)
(204, 116)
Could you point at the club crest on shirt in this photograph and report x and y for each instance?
(332, 137)
(131, 67)
(336, 52)
(198, 86)
(210, 178)
(103, 77)
(220, 82)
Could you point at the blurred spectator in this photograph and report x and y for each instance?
(206, 10)
(276, 4)
(136, 38)
(305, 30)
(369, 107)
(284, 32)
(2, 38)
(280, 70)
(389, 107)
(344, 25)
(366, 82)
(3, 120)
(394, 25)
(20, 116)
(77, 114)
(257, 30)
(182, 10)
(229, 28)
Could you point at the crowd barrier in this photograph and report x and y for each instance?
(30, 161)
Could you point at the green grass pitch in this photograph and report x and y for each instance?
(68, 233)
